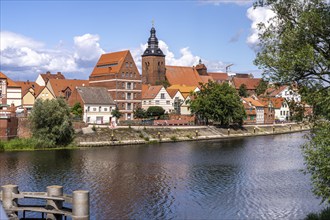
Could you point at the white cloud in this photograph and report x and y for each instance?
(21, 55)
(218, 2)
(257, 15)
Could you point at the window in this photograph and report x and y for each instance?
(129, 106)
(105, 109)
(88, 108)
(126, 64)
(131, 64)
(128, 85)
(123, 85)
(168, 102)
(157, 102)
(100, 108)
(123, 105)
(144, 102)
(88, 119)
(162, 95)
(122, 74)
(130, 74)
(129, 116)
(129, 97)
(126, 74)
(123, 95)
(149, 102)
(94, 109)
(135, 85)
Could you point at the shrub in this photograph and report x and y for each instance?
(174, 138)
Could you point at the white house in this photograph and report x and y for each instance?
(96, 102)
(157, 96)
(42, 79)
(282, 111)
(10, 92)
(284, 92)
(177, 101)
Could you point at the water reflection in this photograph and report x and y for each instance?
(230, 179)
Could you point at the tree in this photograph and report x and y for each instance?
(294, 48)
(242, 91)
(77, 110)
(116, 113)
(50, 122)
(218, 102)
(140, 113)
(261, 87)
(155, 111)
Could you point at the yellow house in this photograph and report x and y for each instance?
(29, 91)
(45, 93)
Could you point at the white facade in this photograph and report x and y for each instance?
(98, 114)
(14, 96)
(289, 94)
(260, 112)
(283, 113)
(40, 81)
(162, 99)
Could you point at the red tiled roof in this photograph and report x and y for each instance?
(254, 102)
(48, 75)
(277, 102)
(274, 91)
(26, 85)
(152, 92)
(250, 83)
(172, 92)
(111, 62)
(183, 75)
(10, 82)
(206, 79)
(59, 85)
(219, 76)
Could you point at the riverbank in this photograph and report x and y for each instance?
(104, 136)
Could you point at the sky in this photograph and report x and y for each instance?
(69, 36)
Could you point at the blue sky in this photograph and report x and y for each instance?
(69, 36)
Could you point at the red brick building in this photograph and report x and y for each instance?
(118, 73)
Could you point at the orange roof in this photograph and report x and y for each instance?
(183, 75)
(277, 102)
(110, 63)
(172, 92)
(26, 85)
(274, 91)
(254, 102)
(48, 75)
(10, 83)
(185, 90)
(59, 85)
(206, 79)
(152, 92)
(219, 76)
(250, 83)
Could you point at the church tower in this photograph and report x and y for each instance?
(153, 62)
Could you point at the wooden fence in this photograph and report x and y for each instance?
(53, 208)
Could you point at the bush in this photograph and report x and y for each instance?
(2, 146)
(174, 138)
(323, 215)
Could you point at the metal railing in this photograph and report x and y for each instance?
(53, 208)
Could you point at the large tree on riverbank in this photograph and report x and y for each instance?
(218, 102)
(294, 48)
(50, 122)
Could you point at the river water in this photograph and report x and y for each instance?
(245, 178)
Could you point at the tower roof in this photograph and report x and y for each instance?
(153, 49)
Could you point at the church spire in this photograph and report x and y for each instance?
(153, 49)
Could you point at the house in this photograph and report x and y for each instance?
(255, 110)
(44, 93)
(284, 91)
(250, 83)
(219, 77)
(10, 92)
(269, 109)
(29, 92)
(42, 79)
(96, 102)
(118, 73)
(64, 87)
(157, 96)
(177, 101)
(281, 107)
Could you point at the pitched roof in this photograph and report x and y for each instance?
(185, 90)
(172, 92)
(152, 92)
(95, 95)
(250, 83)
(10, 82)
(110, 63)
(219, 76)
(183, 75)
(254, 102)
(26, 85)
(48, 75)
(275, 91)
(277, 102)
(59, 85)
(206, 79)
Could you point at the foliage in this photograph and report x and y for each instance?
(155, 111)
(116, 113)
(297, 111)
(218, 102)
(50, 122)
(294, 45)
(316, 154)
(323, 215)
(77, 110)
(242, 91)
(140, 113)
(294, 48)
(261, 87)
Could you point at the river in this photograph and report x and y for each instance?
(244, 178)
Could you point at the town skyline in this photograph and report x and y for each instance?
(47, 41)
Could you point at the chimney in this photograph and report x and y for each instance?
(48, 72)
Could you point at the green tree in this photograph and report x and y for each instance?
(155, 111)
(50, 122)
(140, 113)
(77, 110)
(218, 102)
(242, 91)
(261, 87)
(294, 48)
(116, 113)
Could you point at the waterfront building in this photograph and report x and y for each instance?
(118, 73)
(156, 96)
(96, 102)
(43, 78)
(255, 110)
(64, 87)
(287, 92)
(250, 83)
(30, 90)
(281, 107)
(10, 92)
